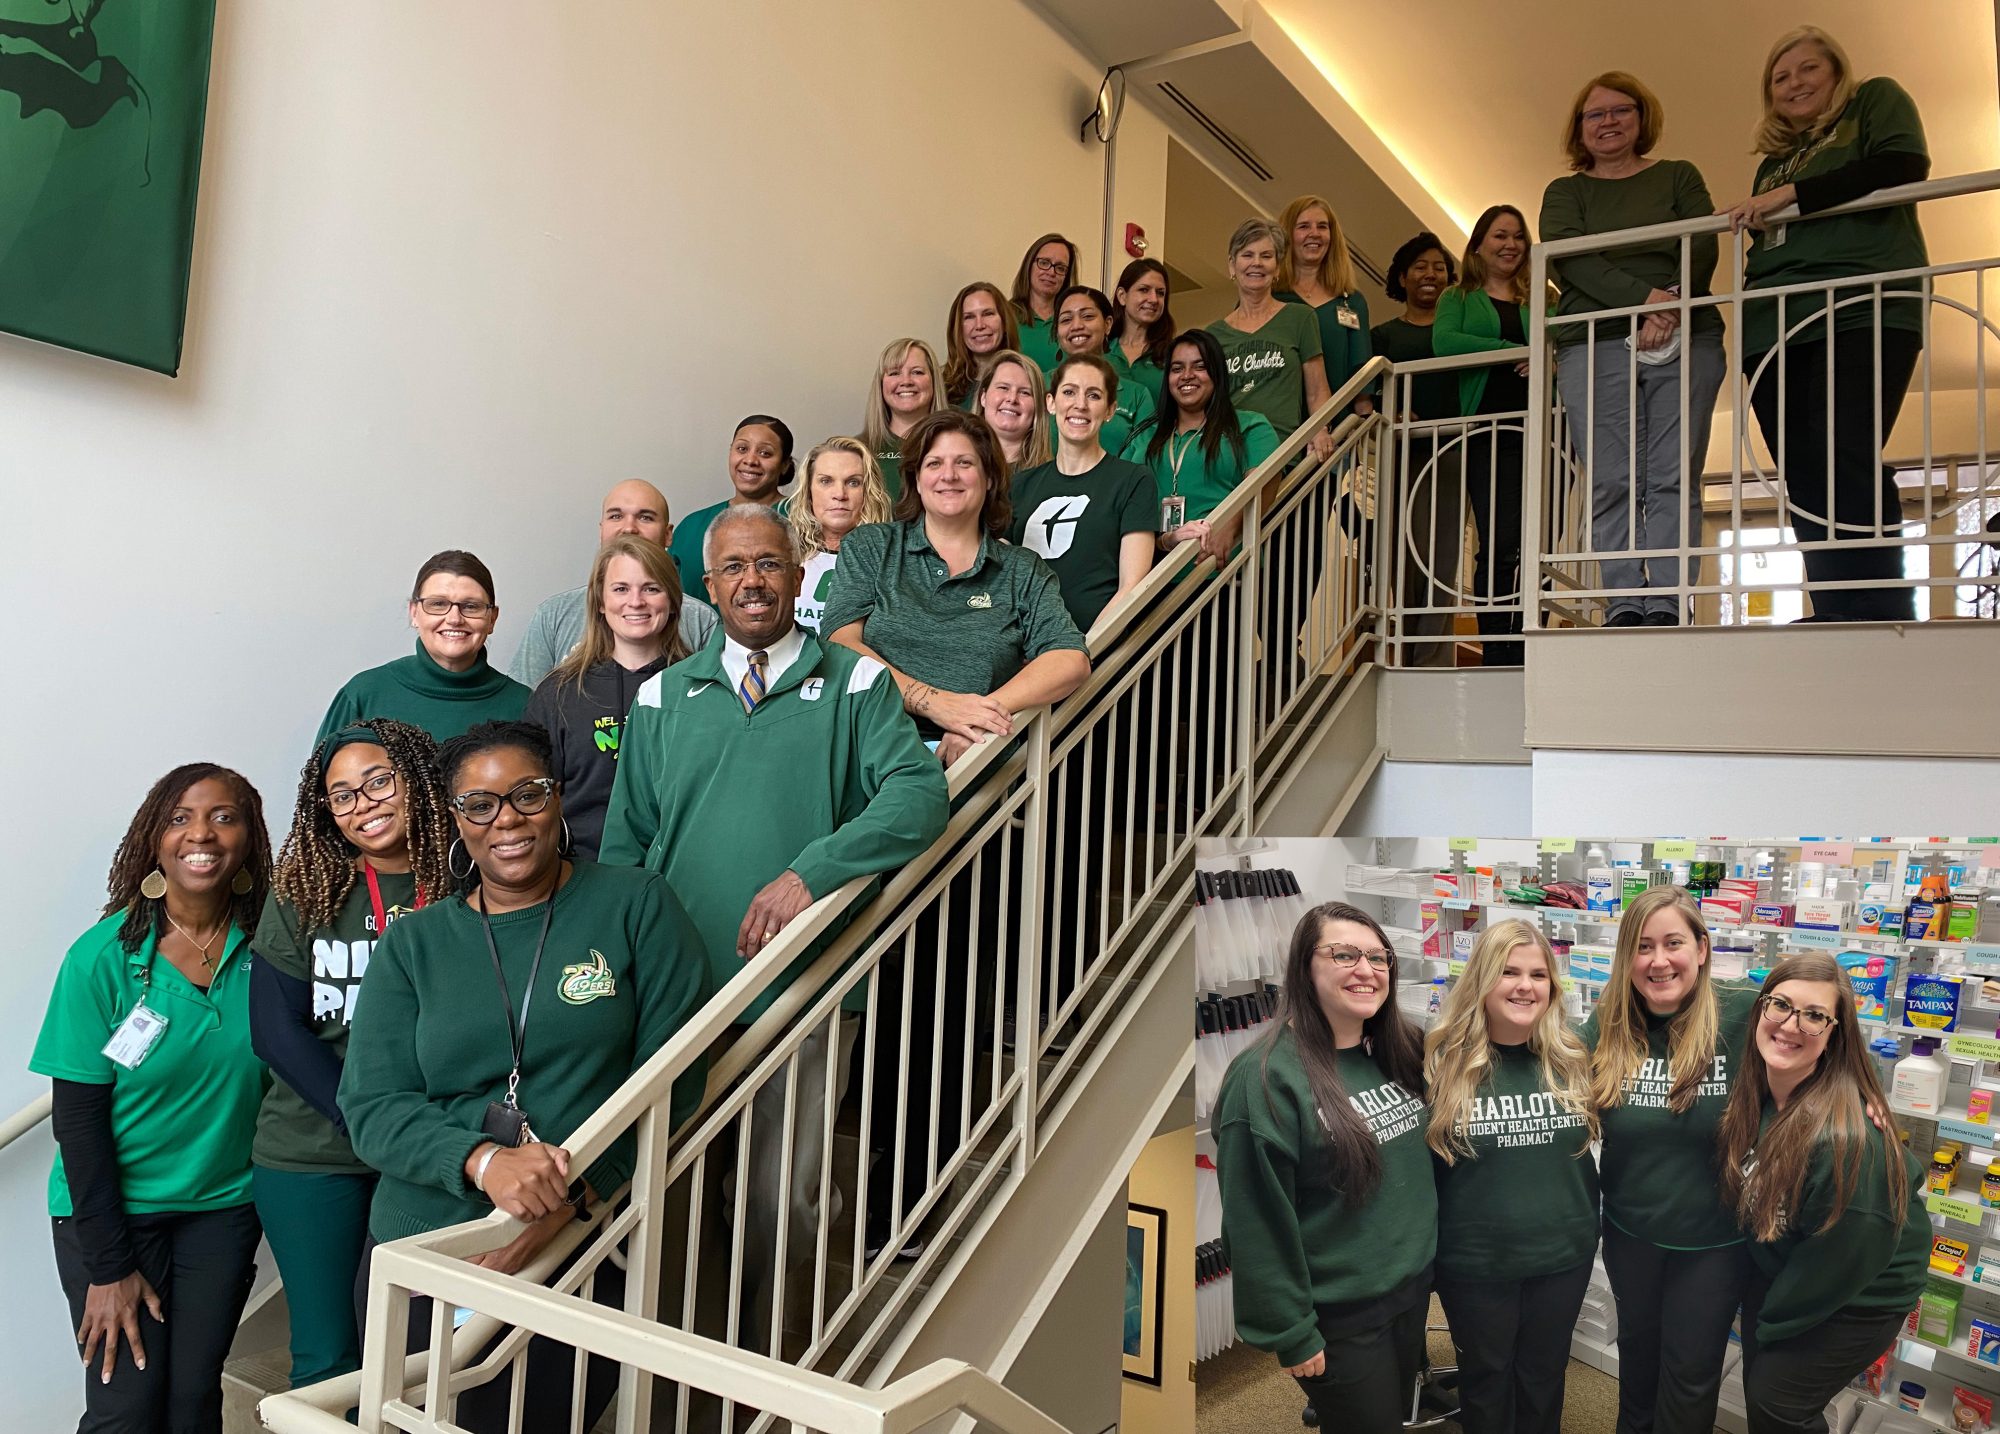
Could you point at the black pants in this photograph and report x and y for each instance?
(1787, 1383)
(201, 1264)
(1674, 1311)
(551, 1365)
(1493, 488)
(1370, 1376)
(1859, 474)
(1513, 1348)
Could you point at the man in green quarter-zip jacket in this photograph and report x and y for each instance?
(757, 776)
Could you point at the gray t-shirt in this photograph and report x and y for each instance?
(557, 626)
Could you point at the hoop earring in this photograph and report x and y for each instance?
(243, 881)
(451, 861)
(154, 886)
(568, 847)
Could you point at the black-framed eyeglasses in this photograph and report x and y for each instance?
(766, 568)
(378, 788)
(1777, 1011)
(471, 610)
(480, 808)
(1052, 266)
(1349, 956)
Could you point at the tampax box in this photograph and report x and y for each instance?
(1818, 914)
(1930, 1003)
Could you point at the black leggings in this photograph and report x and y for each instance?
(1513, 1348)
(1493, 489)
(201, 1264)
(1370, 1376)
(1787, 1383)
(1674, 1311)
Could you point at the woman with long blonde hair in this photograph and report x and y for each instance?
(1838, 1232)
(1511, 1126)
(1317, 270)
(631, 631)
(1664, 1043)
(908, 385)
(843, 490)
(1013, 397)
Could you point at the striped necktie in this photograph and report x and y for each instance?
(751, 689)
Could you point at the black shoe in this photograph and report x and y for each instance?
(1661, 619)
(876, 1241)
(1309, 1417)
(1624, 619)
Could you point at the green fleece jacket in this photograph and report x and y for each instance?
(1470, 324)
(1873, 1261)
(416, 690)
(428, 1048)
(1292, 1241)
(827, 778)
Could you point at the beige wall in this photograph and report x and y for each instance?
(1164, 1178)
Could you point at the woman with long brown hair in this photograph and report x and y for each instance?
(1329, 1212)
(1511, 1127)
(1840, 1240)
(1142, 327)
(632, 631)
(1047, 267)
(1664, 1041)
(978, 327)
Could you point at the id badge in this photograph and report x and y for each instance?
(505, 1125)
(1775, 238)
(136, 1035)
(1173, 512)
(1347, 318)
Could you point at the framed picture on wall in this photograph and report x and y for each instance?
(1145, 1290)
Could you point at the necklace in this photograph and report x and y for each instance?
(201, 946)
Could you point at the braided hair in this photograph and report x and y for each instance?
(316, 868)
(139, 853)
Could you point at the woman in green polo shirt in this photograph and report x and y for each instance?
(447, 684)
(1329, 1211)
(908, 384)
(1832, 1205)
(1511, 1127)
(462, 1107)
(1826, 139)
(1083, 327)
(1048, 265)
(369, 834)
(760, 465)
(1142, 326)
(1315, 269)
(1091, 515)
(1665, 1042)
(1203, 449)
(155, 1090)
(1273, 348)
(978, 326)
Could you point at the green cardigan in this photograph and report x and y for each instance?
(1469, 324)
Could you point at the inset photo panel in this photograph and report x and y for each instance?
(1562, 1135)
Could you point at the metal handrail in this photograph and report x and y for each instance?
(25, 1119)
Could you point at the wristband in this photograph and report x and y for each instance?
(479, 1170)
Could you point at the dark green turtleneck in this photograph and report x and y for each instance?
(415, 689)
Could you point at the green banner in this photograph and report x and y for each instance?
(101, 105)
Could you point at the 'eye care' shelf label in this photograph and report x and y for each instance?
(1964, 1211)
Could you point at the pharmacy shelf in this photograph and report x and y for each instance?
(1950, 1363)
(1953, 1124)
(1599, 918)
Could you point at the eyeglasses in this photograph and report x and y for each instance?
(378, 788)
(1609, 112)
(766, 568)
(1052, 266)
(472, 611)
(480, 808)
(1777, 1011)
(1348, 956)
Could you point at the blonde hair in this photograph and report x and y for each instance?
(1652, 116)
(1777, 135)
(875, 412)
(1336, 270)
(1037, 449)
(807, 537)
(1458, 1050)
(596, 644)
(1621, 1018)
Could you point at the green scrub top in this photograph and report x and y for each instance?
(183, 1119)
(1202, 483)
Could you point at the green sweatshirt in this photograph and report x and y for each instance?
(1292, 1242)
(428, 1048)
(1525, 1203)
(1658, 1167)
(416, 690)
(1578, 204)
(827, 778)
(1873, 1261)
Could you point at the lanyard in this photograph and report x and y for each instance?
(1177, 456)
(517, 1033)
(375, 899)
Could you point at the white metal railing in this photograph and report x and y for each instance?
(24, 1120)
(1046, 907)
